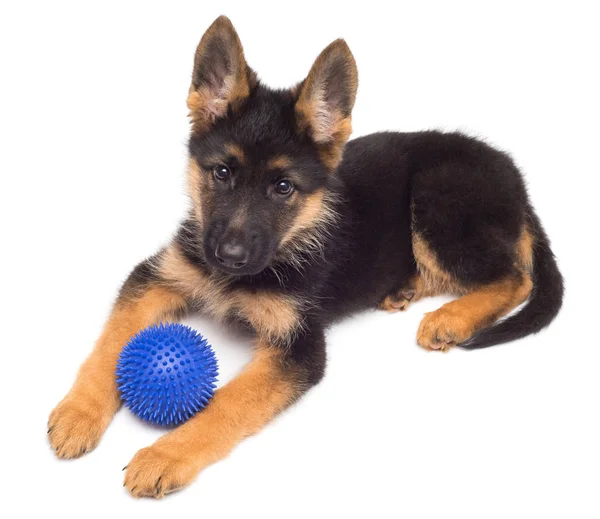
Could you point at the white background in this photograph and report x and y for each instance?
(93, 129)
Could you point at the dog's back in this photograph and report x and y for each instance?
(433, 213)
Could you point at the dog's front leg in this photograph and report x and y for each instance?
(275, 377)
(79, 420)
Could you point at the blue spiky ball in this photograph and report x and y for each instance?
(167, 373)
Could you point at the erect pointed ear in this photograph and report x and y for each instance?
(325, 101)
(221, 77)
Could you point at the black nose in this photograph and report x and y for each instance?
(232, 254)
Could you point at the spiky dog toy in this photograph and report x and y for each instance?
(167, 373)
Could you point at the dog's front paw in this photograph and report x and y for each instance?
(442, 329)
(75, 427)
(158, 470)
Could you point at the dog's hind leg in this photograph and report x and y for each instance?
(457, 321)
(480, 305)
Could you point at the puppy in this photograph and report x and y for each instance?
(292, 228)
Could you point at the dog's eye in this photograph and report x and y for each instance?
(284, 187)
(221, 173)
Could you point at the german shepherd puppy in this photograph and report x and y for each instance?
(292, 228)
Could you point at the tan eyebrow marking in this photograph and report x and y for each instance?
(279, 162)
(236, 151)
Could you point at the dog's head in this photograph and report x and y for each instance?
(261, 161)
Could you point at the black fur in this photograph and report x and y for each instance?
(466, 198)
(141, 277)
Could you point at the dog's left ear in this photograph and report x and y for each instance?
(221, 79)
(325, 101)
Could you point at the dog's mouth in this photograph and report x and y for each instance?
(248, 270)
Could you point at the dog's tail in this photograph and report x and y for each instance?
(544, 301)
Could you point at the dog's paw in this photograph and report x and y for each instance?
(397, 302)
(158, 470)
(442, 329)
(75, 427)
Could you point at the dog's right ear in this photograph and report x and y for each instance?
(221, 79)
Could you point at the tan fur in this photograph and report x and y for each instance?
(197, 189)
(434, 280)
(332, 153)
(239, 409)
(313, 222)
(239, 217)
(77, 423)
(275, 317)
(309, 215)
(279, 162)
(525, 251)
(235, 151)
